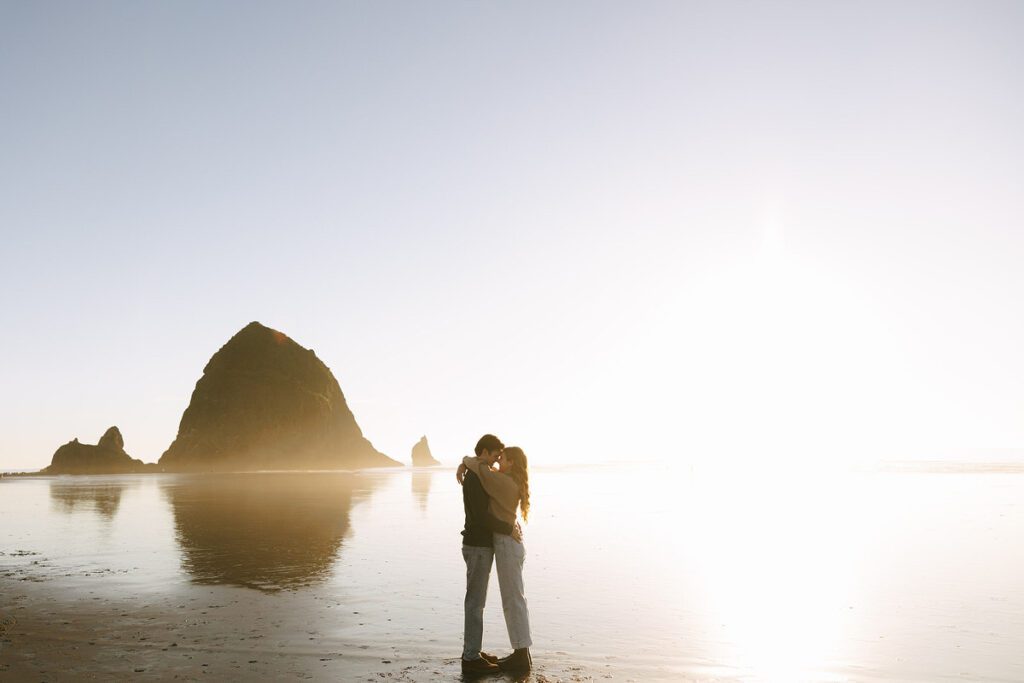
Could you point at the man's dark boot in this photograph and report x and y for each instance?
(478, 667)
(517, 662)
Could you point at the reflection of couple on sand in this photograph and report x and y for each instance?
(493, 536)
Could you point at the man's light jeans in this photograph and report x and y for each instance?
(478, 573)
(509, 555)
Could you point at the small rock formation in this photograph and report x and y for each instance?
(264, 402)
(421, 455)
(112, 440)
(106, 457)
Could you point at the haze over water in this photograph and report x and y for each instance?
(642, 572)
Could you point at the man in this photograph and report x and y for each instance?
(478, 552)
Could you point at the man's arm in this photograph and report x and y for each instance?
(495, 524)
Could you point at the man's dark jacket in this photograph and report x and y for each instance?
(480, 523)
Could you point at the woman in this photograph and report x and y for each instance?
(509, 489)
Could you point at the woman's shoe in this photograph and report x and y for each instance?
(517, 662)
(490, 658)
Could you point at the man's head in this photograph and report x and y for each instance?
(488, 448)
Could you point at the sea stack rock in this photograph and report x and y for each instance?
(264, 402)
(421, 455)
(106, 457)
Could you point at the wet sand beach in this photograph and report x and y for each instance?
(246, 578)
(212, 633)
(631, 575)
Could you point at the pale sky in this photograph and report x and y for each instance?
(602, 231)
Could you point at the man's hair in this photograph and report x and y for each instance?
(488, 442)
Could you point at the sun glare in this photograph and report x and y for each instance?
(777, 584)
(771, 355)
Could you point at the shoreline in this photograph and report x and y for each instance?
(382, 468)
(879, 466)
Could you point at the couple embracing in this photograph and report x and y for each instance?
(493, 536)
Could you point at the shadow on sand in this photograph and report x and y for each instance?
(507, 677)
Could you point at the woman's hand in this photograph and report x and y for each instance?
(517, 533)
(460, 473)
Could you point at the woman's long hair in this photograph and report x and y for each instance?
(520, 473)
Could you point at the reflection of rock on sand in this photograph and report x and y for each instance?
(421, 488)
(104, 498)
(264, 531)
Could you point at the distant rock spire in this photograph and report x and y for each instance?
(421, 455)
(112, 440)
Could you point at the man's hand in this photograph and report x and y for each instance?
(517, 533)
(460, 473)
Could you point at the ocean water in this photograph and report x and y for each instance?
(644, 572)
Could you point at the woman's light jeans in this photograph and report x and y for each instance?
(509, 556)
